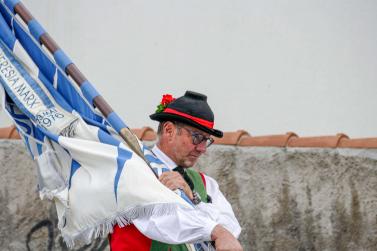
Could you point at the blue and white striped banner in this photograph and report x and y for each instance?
(93, 176)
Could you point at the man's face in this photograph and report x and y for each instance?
(187, 145)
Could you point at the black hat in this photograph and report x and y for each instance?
(191, 109)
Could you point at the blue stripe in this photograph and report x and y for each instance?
(15, 115)
(19, 116)
(40, 59)
(26, 140)
(62, 59)
(11, 4)
(6, 34)
(153, 159)
(116, 122)
(37, 133)
(25, 126)
(145, 148)
(74, 167)
(123, 156)
(164, 169)
(107, 139)
(95, 123)
(7, 15)
(39, 148)
(98, 118)
(106, 123)
(36, 29)
(71, 96)
(88, 91)
(198, 247)
(57, 96)
(50, 135)
(184, 196)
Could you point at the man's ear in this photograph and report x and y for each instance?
(169, 129)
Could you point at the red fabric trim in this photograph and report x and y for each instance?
(200, 121)
(128, 238)
(203, 179)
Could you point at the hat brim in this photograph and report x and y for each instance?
(164, 116)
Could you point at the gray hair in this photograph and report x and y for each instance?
(162, 123)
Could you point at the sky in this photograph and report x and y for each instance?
(268, 67)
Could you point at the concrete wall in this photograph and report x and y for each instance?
(285, 198)
(300, 199)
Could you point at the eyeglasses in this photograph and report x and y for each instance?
(198, 138)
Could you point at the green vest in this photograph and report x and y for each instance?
(201, 190)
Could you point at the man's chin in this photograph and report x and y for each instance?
(190, 163)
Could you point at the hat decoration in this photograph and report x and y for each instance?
(166, 99)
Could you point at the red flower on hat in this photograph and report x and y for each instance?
(166, 100)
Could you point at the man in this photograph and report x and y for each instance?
(186, 125)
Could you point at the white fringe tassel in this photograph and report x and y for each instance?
(102, 229)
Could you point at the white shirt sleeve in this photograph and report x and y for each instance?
(194, 224)
(220, 205)
(186, 225)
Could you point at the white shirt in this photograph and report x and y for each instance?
(195, 224)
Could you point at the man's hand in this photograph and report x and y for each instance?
(173, 180)
(224, 240)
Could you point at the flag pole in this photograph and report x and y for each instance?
(71, 70)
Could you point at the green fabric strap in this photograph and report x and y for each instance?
(158, 246)
(201, 190)
(198, 183)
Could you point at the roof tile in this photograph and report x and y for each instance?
(319, 141)
(146, 133)
(9, 133)
(231, 138)
(243, 138)
(268, 140)
(358, 143)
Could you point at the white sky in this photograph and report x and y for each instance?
(268, 67)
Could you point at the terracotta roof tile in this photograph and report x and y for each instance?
(231, 138)
(9, 133)
(320, 141)
(146, 133)
(268, 140)
(243, 138)
(358, 143)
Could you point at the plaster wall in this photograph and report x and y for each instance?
(285, 198)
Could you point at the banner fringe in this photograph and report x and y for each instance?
(102, 229)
